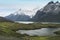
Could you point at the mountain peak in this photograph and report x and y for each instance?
(57, 1)
(50, 2)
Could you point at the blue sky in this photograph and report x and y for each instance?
(10, 6)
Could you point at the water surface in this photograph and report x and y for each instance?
(39, 32)
(27, 22)
(24, 22)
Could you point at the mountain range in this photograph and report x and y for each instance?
(18, 16)
(22, 15)
(49, 13)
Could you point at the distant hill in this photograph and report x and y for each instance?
(49, 13)
(2, 19)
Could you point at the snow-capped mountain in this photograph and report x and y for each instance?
(22, 15)
(18, 16)
(49, 13)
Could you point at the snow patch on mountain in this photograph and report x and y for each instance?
(28, 12)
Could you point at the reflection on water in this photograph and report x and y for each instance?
(39, 32)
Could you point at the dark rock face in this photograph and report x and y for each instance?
(50, 13)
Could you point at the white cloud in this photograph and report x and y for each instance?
(7, 9)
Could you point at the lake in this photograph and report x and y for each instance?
(39, 32)
(28, 22)
(24, 22)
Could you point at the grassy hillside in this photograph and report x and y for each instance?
(17, 26)
(42, 38)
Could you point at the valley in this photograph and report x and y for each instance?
(8, 31)
(35, 24)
